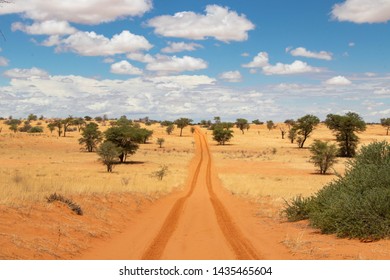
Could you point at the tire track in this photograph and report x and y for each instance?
(241, 246)
(156, 249)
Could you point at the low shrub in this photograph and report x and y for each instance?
(73, 206)
(356, 205)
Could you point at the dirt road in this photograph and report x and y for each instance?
(196, 225)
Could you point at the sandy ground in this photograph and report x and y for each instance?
(218, 202)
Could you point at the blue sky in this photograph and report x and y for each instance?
(267, 60)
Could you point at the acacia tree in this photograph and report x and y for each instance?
(270, 125)
(66, 123)
(344, 128)
(91, 136)
(57, 123)
(108, 152)
(385, 122)
(222, 133)
(304, 126)
(122, 137)
(182, 123)
(242, 124)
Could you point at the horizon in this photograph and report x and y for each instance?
(195, 59)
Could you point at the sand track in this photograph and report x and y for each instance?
(197, 226)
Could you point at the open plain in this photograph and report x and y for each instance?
(216, 202)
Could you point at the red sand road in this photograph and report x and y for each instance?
(199, 223)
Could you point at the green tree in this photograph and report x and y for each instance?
(345, 127)
(385, 122)
(108, 152)
(323, 155)
(35, 129)
(32, 117)
(51, 126)
(79, 122)
(257, 121)
(270, 125)
(13, 124)
(160, 141)
(182, 123)
(124, 138)
(91, 136)
(304, 126)
(66, 123)
(222, 134)
(242, 124)
(170, 128)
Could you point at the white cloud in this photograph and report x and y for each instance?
(125, 68)
(258, 61)
(297, 67)
(218, 22)
(305, 53)
(48, 27)
(231, 76)
(84, 12)
(140, 57)
(92, 44)
(362, 11)
(18, 73)
(338, 81)
(174, 64)
(3, 61)
(351, 44)
(174, 47)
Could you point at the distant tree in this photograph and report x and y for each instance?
(98, 119)
(91, 136)
(26, 127)
(323, 155)
(160, 141)
(32, 117)
(304, 126)
(79, 122)
(345, 127)
(242, 124)
(51, 126)
(13, 127)
(66, 123)
(141, 135)
(217, 120)
(222, 134)
(385, 122)
(170, 128)
(182, 123)
(192, 129)
(35, 129)
(257, 121)
(292, 134)
(57, 123)
(166, 123)
(108, 152)
(87, 118)
(123, 120)
(270, 125)
(282, 131)
(290, 123)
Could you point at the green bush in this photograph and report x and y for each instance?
(356, 205)
(297, 209)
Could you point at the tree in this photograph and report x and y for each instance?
(192, 130)
(386, 123)
(51, 126)
(32, 117)
(160, 141)
(87, 118)
(257, 121)
(222, 134)
(344, 128)
(79, 122)
(170, 128)
(13, 124)
(182, 123)
(91, 136)
(304, 126)
(323, 155)
(108, 152)
(242, 124)
(123, 137)
(66, 123)
(270, 125)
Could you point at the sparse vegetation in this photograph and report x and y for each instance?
(108, 153)
(385, 122)
(160, 141)
(72, 205)
(182, 123)
(91, 137)
(161, 173)
(303, 127)
(323, 155)
(242, 124)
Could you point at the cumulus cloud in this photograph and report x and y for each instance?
(125, 68)
(140, 57)
(218, 22)
(175, 47)
(174, 64)
(297, 67)
(18, 73)
(259, 61)
(305, 53)
(48, 27)
(338, 81)
(231, 76)
(84, 12)
(362, 11)
(92, 44)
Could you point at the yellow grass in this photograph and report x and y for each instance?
(34, 166)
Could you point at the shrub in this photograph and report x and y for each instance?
(356, 205)
(161, 173)
(73, 206)
(35, 129)
(297, 209)
(323, 155)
